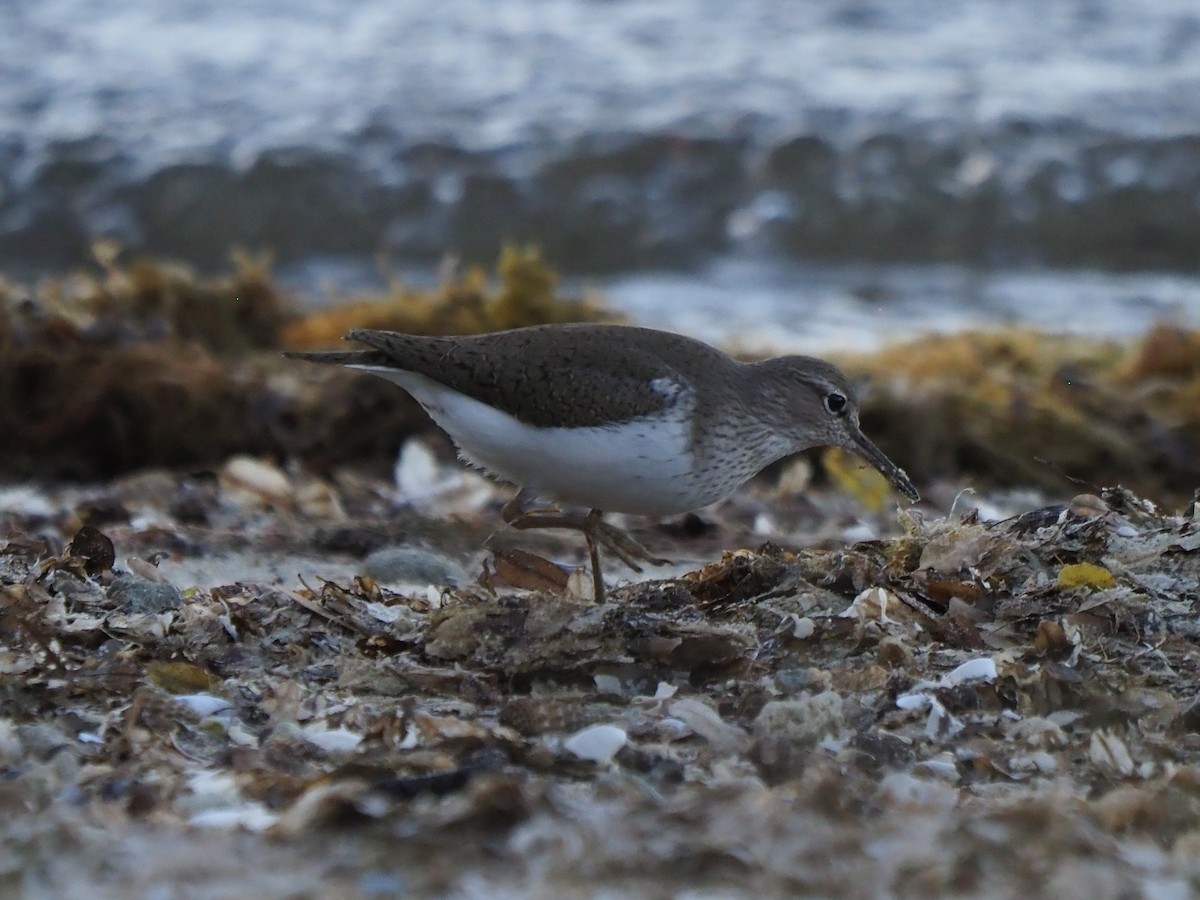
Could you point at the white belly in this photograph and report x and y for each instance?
(642, 466)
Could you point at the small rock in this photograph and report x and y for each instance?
(251, 482)
(41, 741)
(319, 500)
(705, 721)
(804, 720)
(137, 596)
(95, 549)
(413, 565)
(792, 681)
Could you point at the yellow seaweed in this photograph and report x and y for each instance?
(1087, 575)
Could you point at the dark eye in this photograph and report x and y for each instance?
(835, 403)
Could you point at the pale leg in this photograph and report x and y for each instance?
(595, 531)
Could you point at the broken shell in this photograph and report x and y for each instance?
(598, 743)
(251, 482)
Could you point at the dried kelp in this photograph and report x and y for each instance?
(907, 715)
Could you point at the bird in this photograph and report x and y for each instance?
(615, 418)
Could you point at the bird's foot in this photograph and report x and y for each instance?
(594, 528)
(619, 541)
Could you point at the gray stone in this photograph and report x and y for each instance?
(137, 596)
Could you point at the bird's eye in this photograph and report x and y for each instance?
(836, 403)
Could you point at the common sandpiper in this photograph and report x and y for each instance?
(616, 418)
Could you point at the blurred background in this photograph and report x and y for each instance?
(825, 173)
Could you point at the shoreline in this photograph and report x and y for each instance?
(287, 672)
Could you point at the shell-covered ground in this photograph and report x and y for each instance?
(255, 672)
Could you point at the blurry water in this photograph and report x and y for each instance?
(830, 147)
(183, 80)
(789, 308)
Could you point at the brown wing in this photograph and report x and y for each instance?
(547, 376)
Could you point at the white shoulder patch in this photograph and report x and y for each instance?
(668, 386)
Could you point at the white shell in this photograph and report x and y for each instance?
(599, 743)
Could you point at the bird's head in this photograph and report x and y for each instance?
(818, 407)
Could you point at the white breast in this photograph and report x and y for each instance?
(643, 466)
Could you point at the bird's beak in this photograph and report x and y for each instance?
(889, 469)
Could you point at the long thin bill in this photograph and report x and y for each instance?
(889, 469)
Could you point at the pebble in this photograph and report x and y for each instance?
(138, 596)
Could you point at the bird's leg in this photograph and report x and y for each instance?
(515, 508)
(620, 542)
(592, 526)
(597, 575)
(595, 530)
